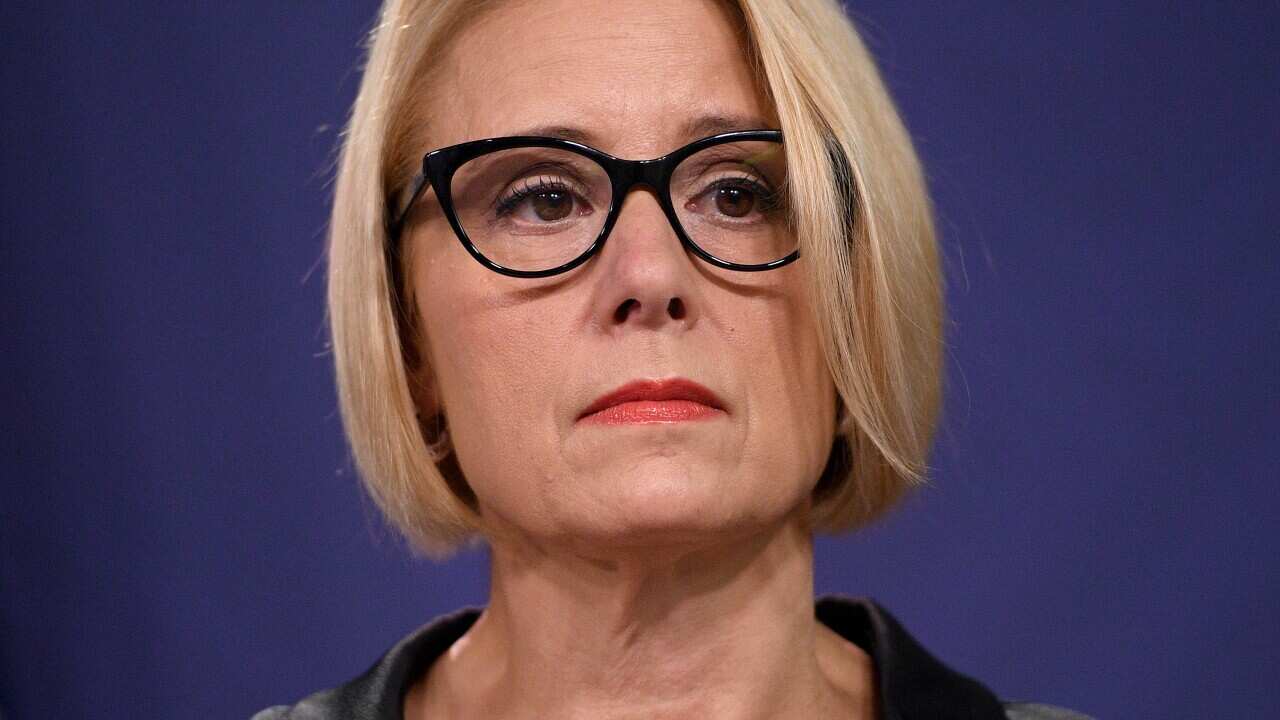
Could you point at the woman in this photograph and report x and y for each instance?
(643, 383)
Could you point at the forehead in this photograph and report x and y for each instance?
(635, 78)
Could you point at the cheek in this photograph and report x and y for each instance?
(495, 367)
(792, 394)
(478, 344)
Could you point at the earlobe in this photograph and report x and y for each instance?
(432, 423)
(422, 388)
(435, 431)
(428, 408)
(843, 419)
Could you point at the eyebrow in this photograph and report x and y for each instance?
(701, 126)
(704, 125)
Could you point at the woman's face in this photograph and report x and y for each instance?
(516, 361)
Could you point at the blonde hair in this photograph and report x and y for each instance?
(862, 215)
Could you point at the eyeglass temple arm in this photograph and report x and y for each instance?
(420, 185)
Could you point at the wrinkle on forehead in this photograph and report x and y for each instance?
(633, 72)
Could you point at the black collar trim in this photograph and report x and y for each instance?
(912, 683)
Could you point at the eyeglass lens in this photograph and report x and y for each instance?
(534, 208)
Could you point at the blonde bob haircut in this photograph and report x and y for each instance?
(860, 209)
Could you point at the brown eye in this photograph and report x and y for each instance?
(735, 201)
(552, 205)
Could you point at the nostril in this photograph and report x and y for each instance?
(675, 308)
(620, 314)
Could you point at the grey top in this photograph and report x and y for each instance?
(911, 683)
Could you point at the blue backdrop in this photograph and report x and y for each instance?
(181, 534)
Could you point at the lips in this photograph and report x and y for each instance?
(655, 401)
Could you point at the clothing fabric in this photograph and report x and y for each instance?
(912, 684)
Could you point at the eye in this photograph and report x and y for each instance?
(735, 201)
(551, 205)
(738, 197)
(547, 199)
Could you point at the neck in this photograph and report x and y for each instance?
(723, 630)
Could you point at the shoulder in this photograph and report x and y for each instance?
(1037, 711)
(913, 684)
(376, 694)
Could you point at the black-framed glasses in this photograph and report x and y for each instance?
(529, 206)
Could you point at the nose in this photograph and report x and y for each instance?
(647, 277)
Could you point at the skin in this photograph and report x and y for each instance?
(640, 571)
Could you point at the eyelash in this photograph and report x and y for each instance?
(772, 200)
(506, 205)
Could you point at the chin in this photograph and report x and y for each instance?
(652, 505)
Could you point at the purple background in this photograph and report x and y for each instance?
(181, 534)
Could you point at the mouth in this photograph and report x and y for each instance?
(654, 401)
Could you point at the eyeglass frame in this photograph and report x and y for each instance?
(439, 166)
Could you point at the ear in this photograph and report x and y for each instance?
(844, 421)
(430, 411)
(415, 353)
(424, 388)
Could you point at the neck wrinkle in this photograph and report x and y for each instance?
(717, 631)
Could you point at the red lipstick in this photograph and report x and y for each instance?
(654, 401)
